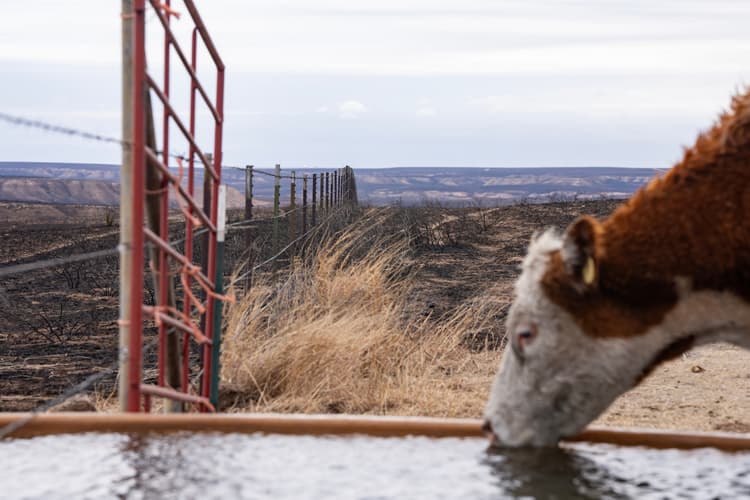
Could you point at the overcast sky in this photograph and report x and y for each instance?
(378, 83)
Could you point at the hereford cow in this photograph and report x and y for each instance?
(597, 308)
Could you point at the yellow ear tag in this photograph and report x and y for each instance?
(589, 272)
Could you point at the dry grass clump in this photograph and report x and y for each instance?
(333, 336)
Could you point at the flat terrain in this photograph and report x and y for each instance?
(706, 389)
(58, 325)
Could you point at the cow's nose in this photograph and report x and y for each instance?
(489, 432)
(487, 427)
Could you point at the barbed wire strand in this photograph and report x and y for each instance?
(57, 261)
(287, 247)
(93, 136)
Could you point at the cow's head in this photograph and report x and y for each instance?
(566, 361)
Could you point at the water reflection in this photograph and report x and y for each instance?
(274, 466)
(159, 464)
(551, 473)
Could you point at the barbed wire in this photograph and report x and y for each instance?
(56, 261)
(59, 261)
(270, 174)
(247, 222)
(287, 247)
(93, 136)
(49, 127)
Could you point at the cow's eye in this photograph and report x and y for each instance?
(521, 340)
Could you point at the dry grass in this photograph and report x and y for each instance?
(334, 336)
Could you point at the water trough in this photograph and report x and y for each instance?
(86, 455)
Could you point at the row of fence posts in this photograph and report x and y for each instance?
(322, 192)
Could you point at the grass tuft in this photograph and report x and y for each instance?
(334, 335)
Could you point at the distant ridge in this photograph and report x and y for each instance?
(99, 183)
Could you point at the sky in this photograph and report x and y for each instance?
(389, 83)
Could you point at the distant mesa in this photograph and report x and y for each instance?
(70, 183)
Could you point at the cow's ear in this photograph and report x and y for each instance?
(579, 252)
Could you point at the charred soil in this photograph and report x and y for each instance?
(59, 324)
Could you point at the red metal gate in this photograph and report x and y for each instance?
(146, 156)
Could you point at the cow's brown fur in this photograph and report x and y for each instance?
(694, 223)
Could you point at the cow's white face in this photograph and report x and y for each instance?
(554, 379)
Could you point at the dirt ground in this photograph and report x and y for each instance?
(59, 325)
(706, 389)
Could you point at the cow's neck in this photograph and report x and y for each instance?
(680, 246)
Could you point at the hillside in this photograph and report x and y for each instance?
(97, 183)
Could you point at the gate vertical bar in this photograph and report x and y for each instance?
(163, 266)
(135, 317)
(186, 306)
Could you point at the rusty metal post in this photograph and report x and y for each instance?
(304, 204)
(189, 230)
(137, 180)
(207, 210)
(314, 193)
(157, 215)
(205, 239)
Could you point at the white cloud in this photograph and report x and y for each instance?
(426, 110)
(322, 109)
(351, 109)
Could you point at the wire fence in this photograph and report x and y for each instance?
(59, 281)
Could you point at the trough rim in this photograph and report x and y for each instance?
(44, 424)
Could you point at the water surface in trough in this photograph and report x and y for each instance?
(275, 466)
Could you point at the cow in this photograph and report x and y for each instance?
(597, 307)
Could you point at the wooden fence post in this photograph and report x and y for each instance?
(314, 193)
(292, 216)
(333, 189)
(345, 186)
(322, 196)
(304, 204)
(249, 231)
(328, 192)
(276, 195)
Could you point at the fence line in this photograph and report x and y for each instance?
(97, 137)
(153, 164)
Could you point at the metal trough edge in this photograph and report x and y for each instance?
(73, 423)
